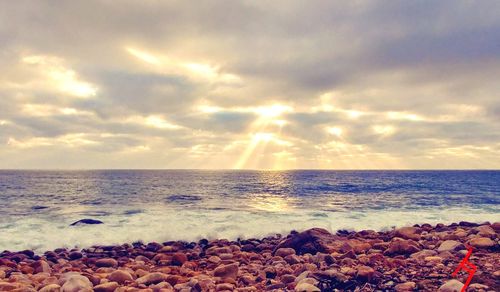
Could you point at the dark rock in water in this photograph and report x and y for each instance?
(39, 207)
(132, 212)
(86, 221)
(181, 198)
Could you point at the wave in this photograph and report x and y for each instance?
(163, 224)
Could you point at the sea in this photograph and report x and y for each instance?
(37, 207)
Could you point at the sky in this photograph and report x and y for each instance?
(250, 84)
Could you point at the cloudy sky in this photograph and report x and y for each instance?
(250, 84)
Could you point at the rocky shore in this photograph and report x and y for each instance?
(418, 258)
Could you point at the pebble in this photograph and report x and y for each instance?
(178, 259)
(108, 262)
(227, 271)
(451, 286)
(482, 242)
(306, 287)
(365, 273)
(408, 233)
(41, 267)
(423, 254)
(152, 278)
(408, 286)
(75, 255)
(283, 252)
(224, 287)
(478, 287)
(214, 260)
(5, 286)
(106, 287)
(77, 283)
(120, 276)
(486, 231)
(433, 259)
(402, 247)
(50, 288)
(407, 259)
(450, 245)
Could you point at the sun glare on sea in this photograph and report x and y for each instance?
(270, 203)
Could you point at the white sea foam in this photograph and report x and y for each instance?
(159, 224)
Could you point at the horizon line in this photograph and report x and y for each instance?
(255, 169)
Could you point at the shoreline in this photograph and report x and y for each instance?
(130, 224)
(421, 257)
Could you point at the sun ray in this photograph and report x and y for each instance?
(260, 135)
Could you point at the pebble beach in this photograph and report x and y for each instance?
(417, 258)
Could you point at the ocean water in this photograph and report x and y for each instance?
(37, 207)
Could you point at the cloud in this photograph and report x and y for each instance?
(249, 84)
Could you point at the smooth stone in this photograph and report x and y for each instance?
(311, 281)
(152, 278)
(365, 273)
(40, 277)
(64, 277)
(214, 260)
(224, 287)
(451, 286)
(423, 254)
(408, 286)
(74, 255)
(401, 246)
(162, 285)
(51, 288)
(106, 287)
(302, 276)
(41, 266)
(120, 276)
(408, 233)
(5, 286)
(311, 241)
(486, 231)
(86, 221)
(467, 224)
(330, 274)
(284, 251)
(496, 226)
(292, 259)
(482, 242)
(227, 271)
(76, 283)
(433, 259)
(107, 263)
(306, 287)
(226, 256)
(274, 287)
(179, 258)
(450, 245)
(478, 287)
(287, 278)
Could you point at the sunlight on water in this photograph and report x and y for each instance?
(38, 206)
(270, 203)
